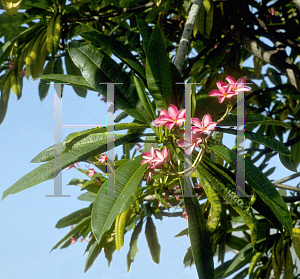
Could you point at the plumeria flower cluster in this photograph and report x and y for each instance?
(173, 118)
(156, 158)
(229, 90)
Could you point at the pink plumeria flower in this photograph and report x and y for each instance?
(148, 156)
(138, 147)
(72, 166)
(205, 126)
(11, 64)
(161, 157)
(184, 214)
(238, 86)
(225, 91)
(196, 139)
(22, 73)
(73, 240)
(92, 172)
(103, 158)
(170, 118)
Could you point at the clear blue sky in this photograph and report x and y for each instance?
(28, 218)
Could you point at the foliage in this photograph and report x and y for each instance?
(84, 35)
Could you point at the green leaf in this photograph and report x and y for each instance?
(270, 142)
(94, 253)
(225, 185)
(133, 244)
(72, 138)
(295, 150)
(261, 185)
(117, 48)
(78, 228)
(145, 31)
(159, 78)
(152, 240)
(188, 258)
(288, 162)
(84, 149)
(107, 207)
(240, 260)
(183, 232)
(43, 85)
(74, 71)
(88, 196)
(199, 236)
(47, 154)
(97, 68)
(250, 119)
(74, 218)
(73, 80)
(205, 18)
(78, 182)
(216, 206)
(140, 88)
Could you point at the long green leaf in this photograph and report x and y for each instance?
(261, 185)
(78, 81)
(107, 207)
(73, 70)
(199, 237)
(267, 141)
(117, 48)
(152, 240)
(133, 244)
(145, 31)
(97, 68)
(79, 227)
(250, 119)
(240, 260)
(94, 253)
(159, 78)
(90, 146)
(74, 217)
(140, 88)
(216, 206)
(71, 139)
(225, 186)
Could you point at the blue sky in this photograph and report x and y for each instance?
(29, 218)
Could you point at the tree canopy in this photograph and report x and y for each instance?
(149, 49)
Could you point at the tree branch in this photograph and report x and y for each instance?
(286, 187)
(135, 9)
(186, 35)
(275, 56)
(290, 177)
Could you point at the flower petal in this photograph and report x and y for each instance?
(173, 111)
(230, 79)
(215, 92)
(206, 120)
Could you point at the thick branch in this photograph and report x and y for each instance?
(286, 187)
(186, 35)
(275, 56)
(112, 14)
(290, 177)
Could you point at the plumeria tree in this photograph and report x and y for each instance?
(183, 163)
